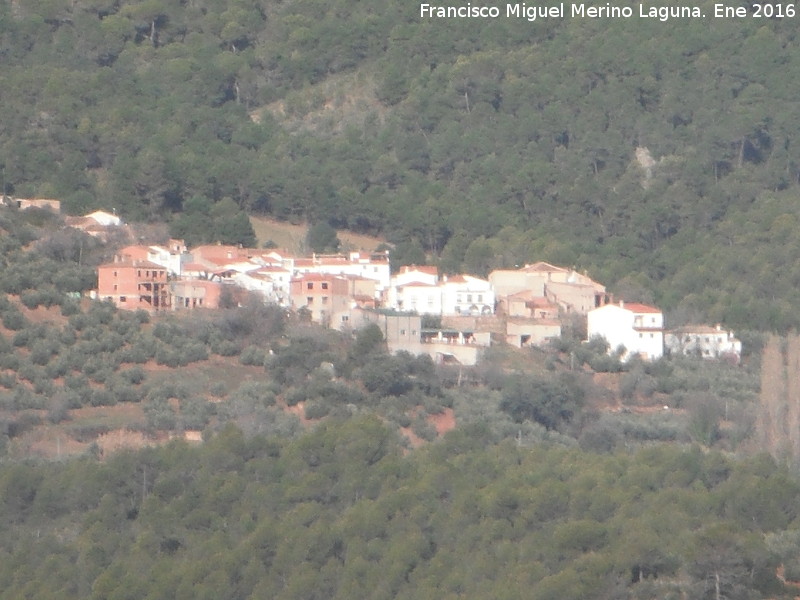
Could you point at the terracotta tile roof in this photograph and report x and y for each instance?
(701, 329)
(457, 279)
(135, 252)
(127, 263)
(316, 277)
(417, 284)
(640, 308)
(193, 266)
(540, 302)
(77, 221)
(429, 269)
(203, 283)
(543, 267)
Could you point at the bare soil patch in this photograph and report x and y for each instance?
(292, 237)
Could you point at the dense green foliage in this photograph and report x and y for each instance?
(243, 365)
(484, 143)
(535, 493)
(341, 513)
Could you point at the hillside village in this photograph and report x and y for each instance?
(452, 318)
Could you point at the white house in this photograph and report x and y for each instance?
(419, 289)
(374, 265)
(171, 257)
(417, 296)
(704, 341)
(105, 219)
(466, 295)
(637, 328)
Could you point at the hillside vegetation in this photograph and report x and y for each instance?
(261, 367)
(660, 156)
(341, 513)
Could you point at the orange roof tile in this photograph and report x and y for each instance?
(640, 308)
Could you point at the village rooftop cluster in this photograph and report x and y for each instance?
(523, 307)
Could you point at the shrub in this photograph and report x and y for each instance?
(218, 389)
(159, 414)
(423, 429)
(78, 383)
(92, 365)
(102, 397)
(603, 363)
(58, 409)
(254, 392)
(23, 423)
(252, 355)
(22, 338)
(110, 341)
(102, 375)
(195, 413)
(79, 321)
(225, 348)
(30, 299)
(194, 352)
(29, 371)
(23, 398)
(294, 396)
(123, 393)
(134, 375)
(9, 361)
(57, 367)
(101, 312)
(136, 354)
(67, 336)
(70, 307)
(169, 357)
(8, 380)
(44, 386)
(42, 351)
(316, 409)
(600, 437)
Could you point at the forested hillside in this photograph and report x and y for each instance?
(341, 513)
(540, 491)
(661, 156)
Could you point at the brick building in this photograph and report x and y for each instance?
(325, 296)
(134, 284)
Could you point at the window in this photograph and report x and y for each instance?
(324, 285)
(123, 299)
(402, 332)
(324, 299)
(310, 300)
(115, 287)
(469, 297)
(310, 285)
(480, 297)
(345, 318)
